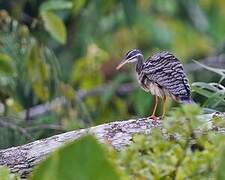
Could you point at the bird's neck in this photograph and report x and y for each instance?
(139, 64)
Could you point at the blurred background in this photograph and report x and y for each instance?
(58, 59)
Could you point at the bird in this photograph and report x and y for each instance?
(162, 75)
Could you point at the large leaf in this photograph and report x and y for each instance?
(83, 159)
(55, 26)
(55, 5)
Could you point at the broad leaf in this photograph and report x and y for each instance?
(83, 159)
(55, 26)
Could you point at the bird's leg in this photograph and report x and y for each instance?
(164, 107)
(154, 109)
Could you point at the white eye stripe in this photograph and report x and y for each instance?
(131, 51)
(136, 55)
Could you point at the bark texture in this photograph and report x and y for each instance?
(23, 158)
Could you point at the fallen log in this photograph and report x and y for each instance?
(23, 158)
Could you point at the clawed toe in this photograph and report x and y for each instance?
(155, 118)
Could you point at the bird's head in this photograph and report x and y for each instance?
(130, 57)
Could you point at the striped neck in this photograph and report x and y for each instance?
(139, 64)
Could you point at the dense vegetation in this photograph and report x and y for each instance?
(57, 69)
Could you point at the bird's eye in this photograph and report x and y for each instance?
(130, 54)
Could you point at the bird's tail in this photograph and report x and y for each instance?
(187, 100)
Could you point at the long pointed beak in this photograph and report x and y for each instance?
(121, 64)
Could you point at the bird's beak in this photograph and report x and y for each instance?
(121, 64)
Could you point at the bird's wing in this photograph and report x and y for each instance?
(167, 71)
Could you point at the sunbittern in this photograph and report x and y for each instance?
(162, 75)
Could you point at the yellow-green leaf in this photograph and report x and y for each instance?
(6, 64)
(55, 26)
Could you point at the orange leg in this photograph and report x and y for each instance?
(164, 107)
(155, 107)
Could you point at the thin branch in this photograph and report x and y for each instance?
(14, 127)
(45, 126)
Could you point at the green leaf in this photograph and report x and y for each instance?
(6, 64)
(215, 70)
(55, 26)
(55, 5)
(6, 175)
(83, 159)
(213, 91)
(38, 71)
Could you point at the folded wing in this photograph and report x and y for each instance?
(167, 72)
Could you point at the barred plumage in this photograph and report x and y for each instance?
(162, 75)
(165, 72)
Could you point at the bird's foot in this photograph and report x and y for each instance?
(153, 117)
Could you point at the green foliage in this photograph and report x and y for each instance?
(221, 72)
(37, 71)
(55, 5)
(143, 102)
(214, 92)
(221, 172)
(87, 70)
(78, 4)
(35, 67)
(54, 25)
(98, 36)
(83, 159)
(6, 175)
(6, 73)
(92, 37)
(5, 64)
(185, 149)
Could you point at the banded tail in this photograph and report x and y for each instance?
(186, 100)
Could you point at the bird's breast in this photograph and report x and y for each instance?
(150, 86)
